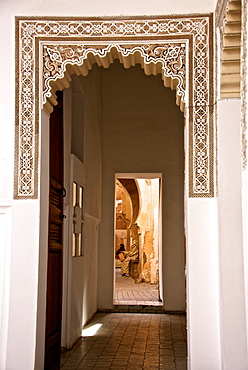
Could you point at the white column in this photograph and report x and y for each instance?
(203, 305)
(245, 239)
(233, 319)
(244, 135)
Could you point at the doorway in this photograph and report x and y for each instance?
(143, 137)
(137, 240)
(148, 142)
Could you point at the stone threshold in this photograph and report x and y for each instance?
(140, 309)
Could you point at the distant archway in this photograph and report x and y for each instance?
(138, 202)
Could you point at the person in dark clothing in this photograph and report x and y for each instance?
(120, 253)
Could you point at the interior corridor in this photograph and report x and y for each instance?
(131, 341)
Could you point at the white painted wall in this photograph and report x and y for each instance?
(233, 320)
(7, 114)
(202, 278)
(22, 318)
(203, 302)
(22, 272)
(5, 263)
(245, 239)
(107, 8)
(142, 133)
(245, 201)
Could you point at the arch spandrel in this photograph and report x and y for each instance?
(49, 50)
(61, 61)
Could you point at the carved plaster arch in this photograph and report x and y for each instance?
(49, 50)
(61, 61)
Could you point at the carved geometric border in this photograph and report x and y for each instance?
(50, 45)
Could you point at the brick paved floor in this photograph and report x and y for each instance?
(129, 293)
(127, 341)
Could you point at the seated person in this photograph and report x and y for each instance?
(120, 253)
(131, 255)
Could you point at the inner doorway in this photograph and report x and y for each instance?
(137, 240)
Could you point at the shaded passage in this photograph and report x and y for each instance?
(131, 341)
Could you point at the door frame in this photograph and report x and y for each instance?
(137, 175)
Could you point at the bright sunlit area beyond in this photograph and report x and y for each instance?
(137, 239)
(91, 330)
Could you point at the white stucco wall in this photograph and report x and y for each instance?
(245, 239)
(5, 264)
(203, 302)
(233, 320)
(21, 336)
(21, 272)
(245, 187)
(107, 8)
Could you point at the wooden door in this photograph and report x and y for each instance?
(55, 238)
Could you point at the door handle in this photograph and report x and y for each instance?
(61, 216)
(63, 192)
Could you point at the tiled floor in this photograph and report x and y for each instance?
(129, 293)
(131, 342)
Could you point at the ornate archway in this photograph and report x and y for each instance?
(49, 50)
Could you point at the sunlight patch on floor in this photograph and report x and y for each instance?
(91, 330)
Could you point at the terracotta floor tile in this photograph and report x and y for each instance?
(127, 292)
(131, 341)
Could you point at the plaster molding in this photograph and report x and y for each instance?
(49, 50)
(229, 22)
(233, 14)
(220, 12)
(60, 61)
